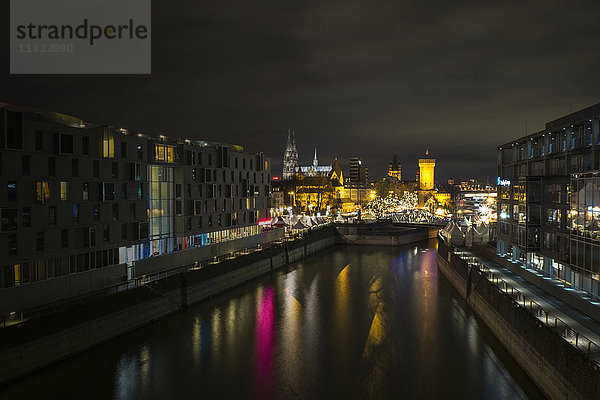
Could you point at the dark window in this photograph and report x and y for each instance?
(51, 166)
(124, 231)
(123, 149)
(64, 238)
(39, 241)
(66, 144)
(96, 169)
(115, 170)
(132, 211)
(143, 230)
(14, 130)
(75, 167)
(26, 217)
(92, 237)
(115, 211)
(123, 191)
(140, 152)
(12, 244)
(85, 145)
(11, 187)
(96, 212)
(25, 165)
(10, 219)
(52, 215)
(210, 159)
(106, 233)
(39, 141)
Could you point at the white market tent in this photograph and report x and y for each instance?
(455, 235)
(299, 225)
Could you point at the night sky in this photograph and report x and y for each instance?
(352, 78)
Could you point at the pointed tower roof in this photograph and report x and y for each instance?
(337, 176)
(394, 162)
(315, 161)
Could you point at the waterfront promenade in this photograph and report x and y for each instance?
(577, 328)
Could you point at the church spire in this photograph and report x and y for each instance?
(290, 157)
(315, 161)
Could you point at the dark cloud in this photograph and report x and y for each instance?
(351, 77)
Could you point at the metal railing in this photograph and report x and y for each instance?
(572, 336)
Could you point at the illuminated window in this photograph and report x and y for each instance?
(12, 190)
(75, 213)
(108, 143)
(64, 189)
(85, 192)
(17, 269)
(164, 153)
(42, 192)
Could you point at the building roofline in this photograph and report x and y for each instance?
(569, 119)
(76, 122)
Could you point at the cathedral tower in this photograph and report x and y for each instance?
(290, 157)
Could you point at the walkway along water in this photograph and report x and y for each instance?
(531, 325)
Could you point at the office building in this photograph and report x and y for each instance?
(84, 205)
(549, 200)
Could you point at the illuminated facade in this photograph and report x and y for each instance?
(82, 203)
(549, 200)
(315, 169)
(395, 169)
(426, 173)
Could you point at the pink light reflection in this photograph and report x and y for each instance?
(265, 341)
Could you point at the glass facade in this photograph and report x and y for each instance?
(584, 219)
(549, 201)
(160, 209)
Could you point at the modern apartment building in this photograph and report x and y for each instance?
(82, 206)
(549, 200)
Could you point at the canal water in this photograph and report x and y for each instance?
(349, 322)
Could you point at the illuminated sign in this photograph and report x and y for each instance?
(503, 182)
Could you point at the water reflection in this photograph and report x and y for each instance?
(133, 373)
(351, 322)
(265, 335)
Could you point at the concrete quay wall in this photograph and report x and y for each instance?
(377, 234)
(42, 341)
(558, 369)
